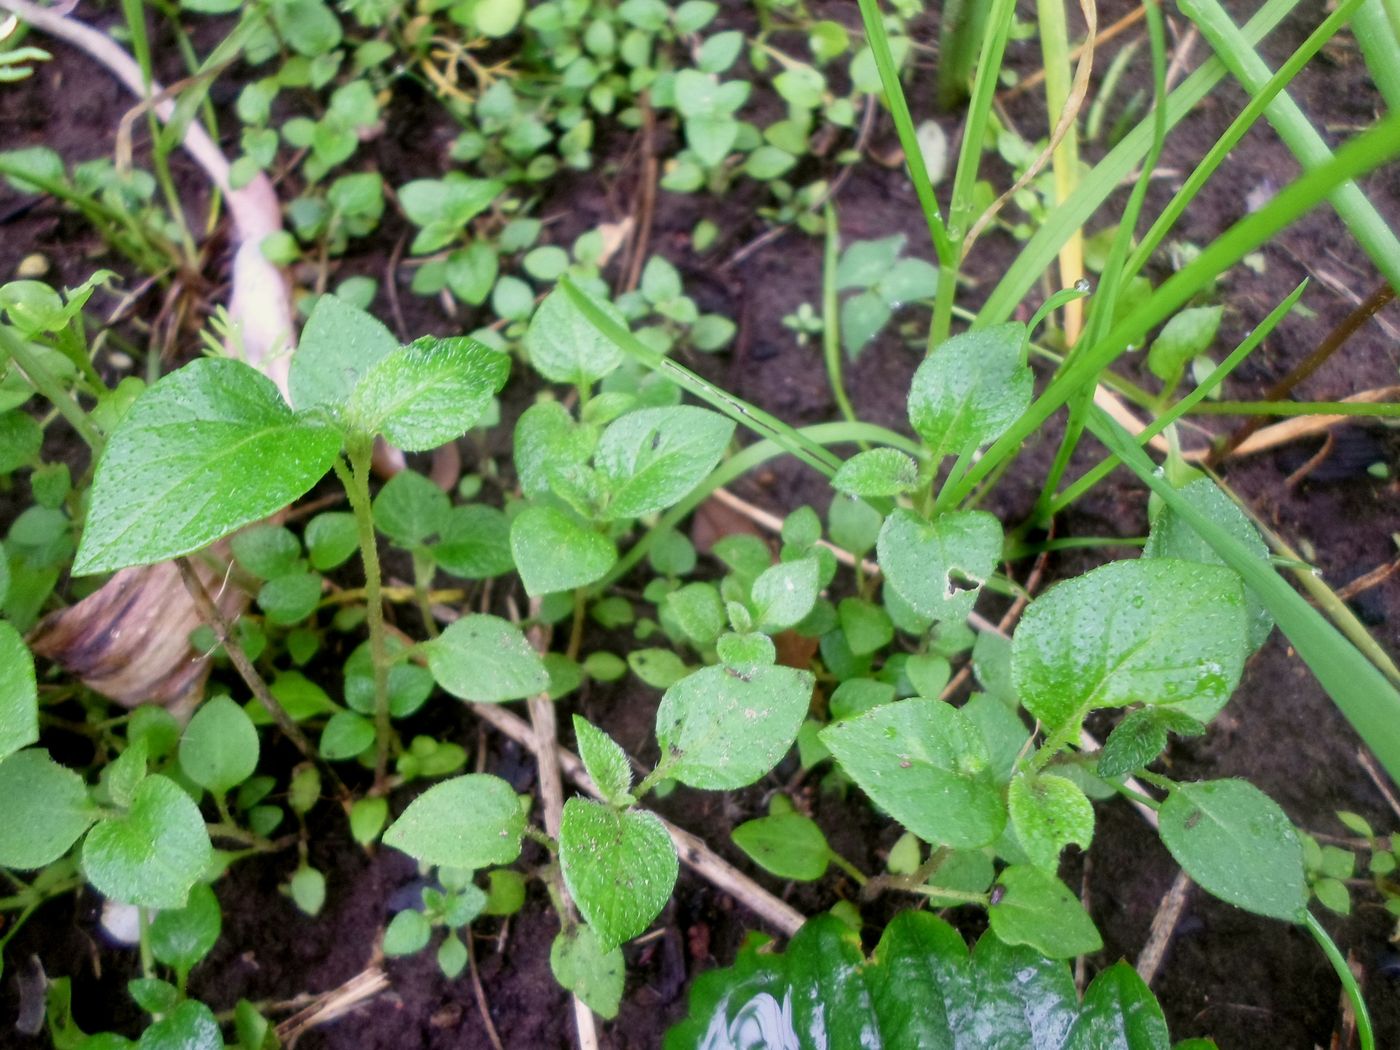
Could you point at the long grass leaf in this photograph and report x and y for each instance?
(1369, 702)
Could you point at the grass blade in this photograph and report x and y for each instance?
(1369, 702)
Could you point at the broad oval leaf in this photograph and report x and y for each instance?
(428, 393)
(620, 867)
(486, 659)
(653, 457)
(190, 1026)
(205, 451)
(152, 854)
(785, 593)
(920, 989)
(970, 389)
(472, 821)
(1048, 813)
(564, 347)
(938, 567)
(1172, 537)
(1035, 908)
(46, 809)
(555, 552)
(922, 761)
(1153, 631)
(788, 845)
(182, 937)
(339, 344)
(583, 966)
(219, 748)
(724, 727)
(878, 472)
(19, 699)
(1237, 844)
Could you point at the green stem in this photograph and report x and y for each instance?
(850, 869)
(423, 568)
(1364, 1032)
(962, 896)
(54, 391)
(355, 478)
(831, 324)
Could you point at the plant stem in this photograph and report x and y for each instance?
(51, 389)
(1364, 1032)
(861, 879)
(355, 478)
(831, 322)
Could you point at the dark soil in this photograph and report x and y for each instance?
(1246, 981)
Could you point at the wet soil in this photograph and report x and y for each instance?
(1247, 982)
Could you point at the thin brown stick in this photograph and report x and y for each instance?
(1334, 341)
(1118, 28)
(646, 209)
(480, 994)
(1163, 924)
(1289, 430)
(223, 630)
(1378, 778)
(1366, 581)
(334, 1004)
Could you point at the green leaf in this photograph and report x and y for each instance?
(582, 966)
(605, 762)
(205, 451)
(787, 845)
(152, 854)
(548, 440)
(367, 819)
(1152, 631)
(338, 345)
(879, 472)
(921, 989)
(19, 698)
(565, 348)
(346, 735)
(653, 457)
(970, 389)
(485, 659)
(1038, 910)
(474, 543)
(407, 932)
(1141, 737)
(308, 890)
(1237, 844)
(939, 567)
(865, 262)
(180, 938)
(658, 668)
(219, 748)
(290, 599)
(1119, 1013)
(862, 317)
(724, 727)
(266, 550)
(190, 1026)
(619, 866)
(555, 552)
(442, 207)
(410, 509)
(784, 594)
(1048, 813)
(867, 627)
(1172, 537)
(428, 393)
(1187, 334)
(331, 538)
(471, 821)
(46, 809)
(925, 764)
